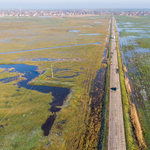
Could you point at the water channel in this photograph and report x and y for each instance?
(97, 43)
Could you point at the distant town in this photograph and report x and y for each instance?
(65, 13)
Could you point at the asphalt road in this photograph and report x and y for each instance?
(116, 132)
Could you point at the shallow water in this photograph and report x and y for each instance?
(129, 40)
(142, 50)
(128, 23)
(130, 54)
(30, 72)
(135, 30)
(74, 31)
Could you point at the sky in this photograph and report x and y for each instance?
(73, 4)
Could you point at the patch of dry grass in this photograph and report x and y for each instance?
(124, 69)
(1, 70)
(127, 84)
(137, 127)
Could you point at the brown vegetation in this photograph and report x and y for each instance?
(10, 69)
(137, 127)
(2, 69)
(124, 69)
(21, 78)
(104, 65)
(127, 84)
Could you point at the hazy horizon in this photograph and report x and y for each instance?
(74, 4)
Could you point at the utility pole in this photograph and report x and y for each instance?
(52, 70)
(75, 42)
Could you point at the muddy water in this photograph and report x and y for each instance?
(30, 72)
(104, 56)
(95, 121)
(97, 92)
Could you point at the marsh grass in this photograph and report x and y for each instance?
(128, 48)
(40, 35)
(144, 42)
(22, 121)
(27, 110)
(138, 71)
(124, 33)
(7, 74)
